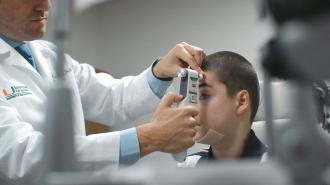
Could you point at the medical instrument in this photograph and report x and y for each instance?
(187, 85)
(299, 54)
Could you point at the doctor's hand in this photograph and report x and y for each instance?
(181, 56)
(171, 129)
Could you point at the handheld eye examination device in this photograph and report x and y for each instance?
(186, 84)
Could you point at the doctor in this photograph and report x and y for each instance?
(27, 71)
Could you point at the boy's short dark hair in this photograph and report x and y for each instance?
(236, 73)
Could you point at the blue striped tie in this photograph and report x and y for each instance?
(25, 51)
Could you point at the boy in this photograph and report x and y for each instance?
(229, 100)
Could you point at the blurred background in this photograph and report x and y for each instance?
(123, 37)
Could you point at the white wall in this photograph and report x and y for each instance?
(123, 37)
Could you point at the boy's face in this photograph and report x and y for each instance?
(216, 109)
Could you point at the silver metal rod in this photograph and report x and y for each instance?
(269, 116)
(63, 9)
(59, 146)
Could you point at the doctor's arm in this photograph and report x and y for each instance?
(20, 146)
(124, 98)
(108, 100)
(118, 101)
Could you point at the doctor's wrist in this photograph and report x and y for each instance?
(157, 72)
(146, 140)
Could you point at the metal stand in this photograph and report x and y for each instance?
(59, 145)
(299, 54)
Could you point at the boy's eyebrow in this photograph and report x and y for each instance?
(204, 85)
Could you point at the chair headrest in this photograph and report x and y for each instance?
(281, 96)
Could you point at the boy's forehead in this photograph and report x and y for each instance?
(210, 77)
(211, 80)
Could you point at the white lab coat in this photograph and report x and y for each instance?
(97, 97)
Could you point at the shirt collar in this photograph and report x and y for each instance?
(11, 42)
(253, 148)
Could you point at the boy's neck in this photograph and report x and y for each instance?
(231, 147)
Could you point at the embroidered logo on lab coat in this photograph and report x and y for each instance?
(16, 91)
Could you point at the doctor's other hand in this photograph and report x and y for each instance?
(181, 56)
(171, 130)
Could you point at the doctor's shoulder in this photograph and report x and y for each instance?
(48, 51)
(44, 44)
(46, 48)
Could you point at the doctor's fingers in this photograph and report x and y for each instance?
(186, 58)
(189, 111)
(169, 99)
(191, 122)
(191, 132)
(189, 141)
(185, 141)
(196, 52)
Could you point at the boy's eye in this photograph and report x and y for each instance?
(203, 96)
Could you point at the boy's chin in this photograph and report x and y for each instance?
(211, 137)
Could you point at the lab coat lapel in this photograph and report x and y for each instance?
(15, 58)
(43, 69)
(4, 51)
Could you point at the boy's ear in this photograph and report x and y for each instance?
(242, 102)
